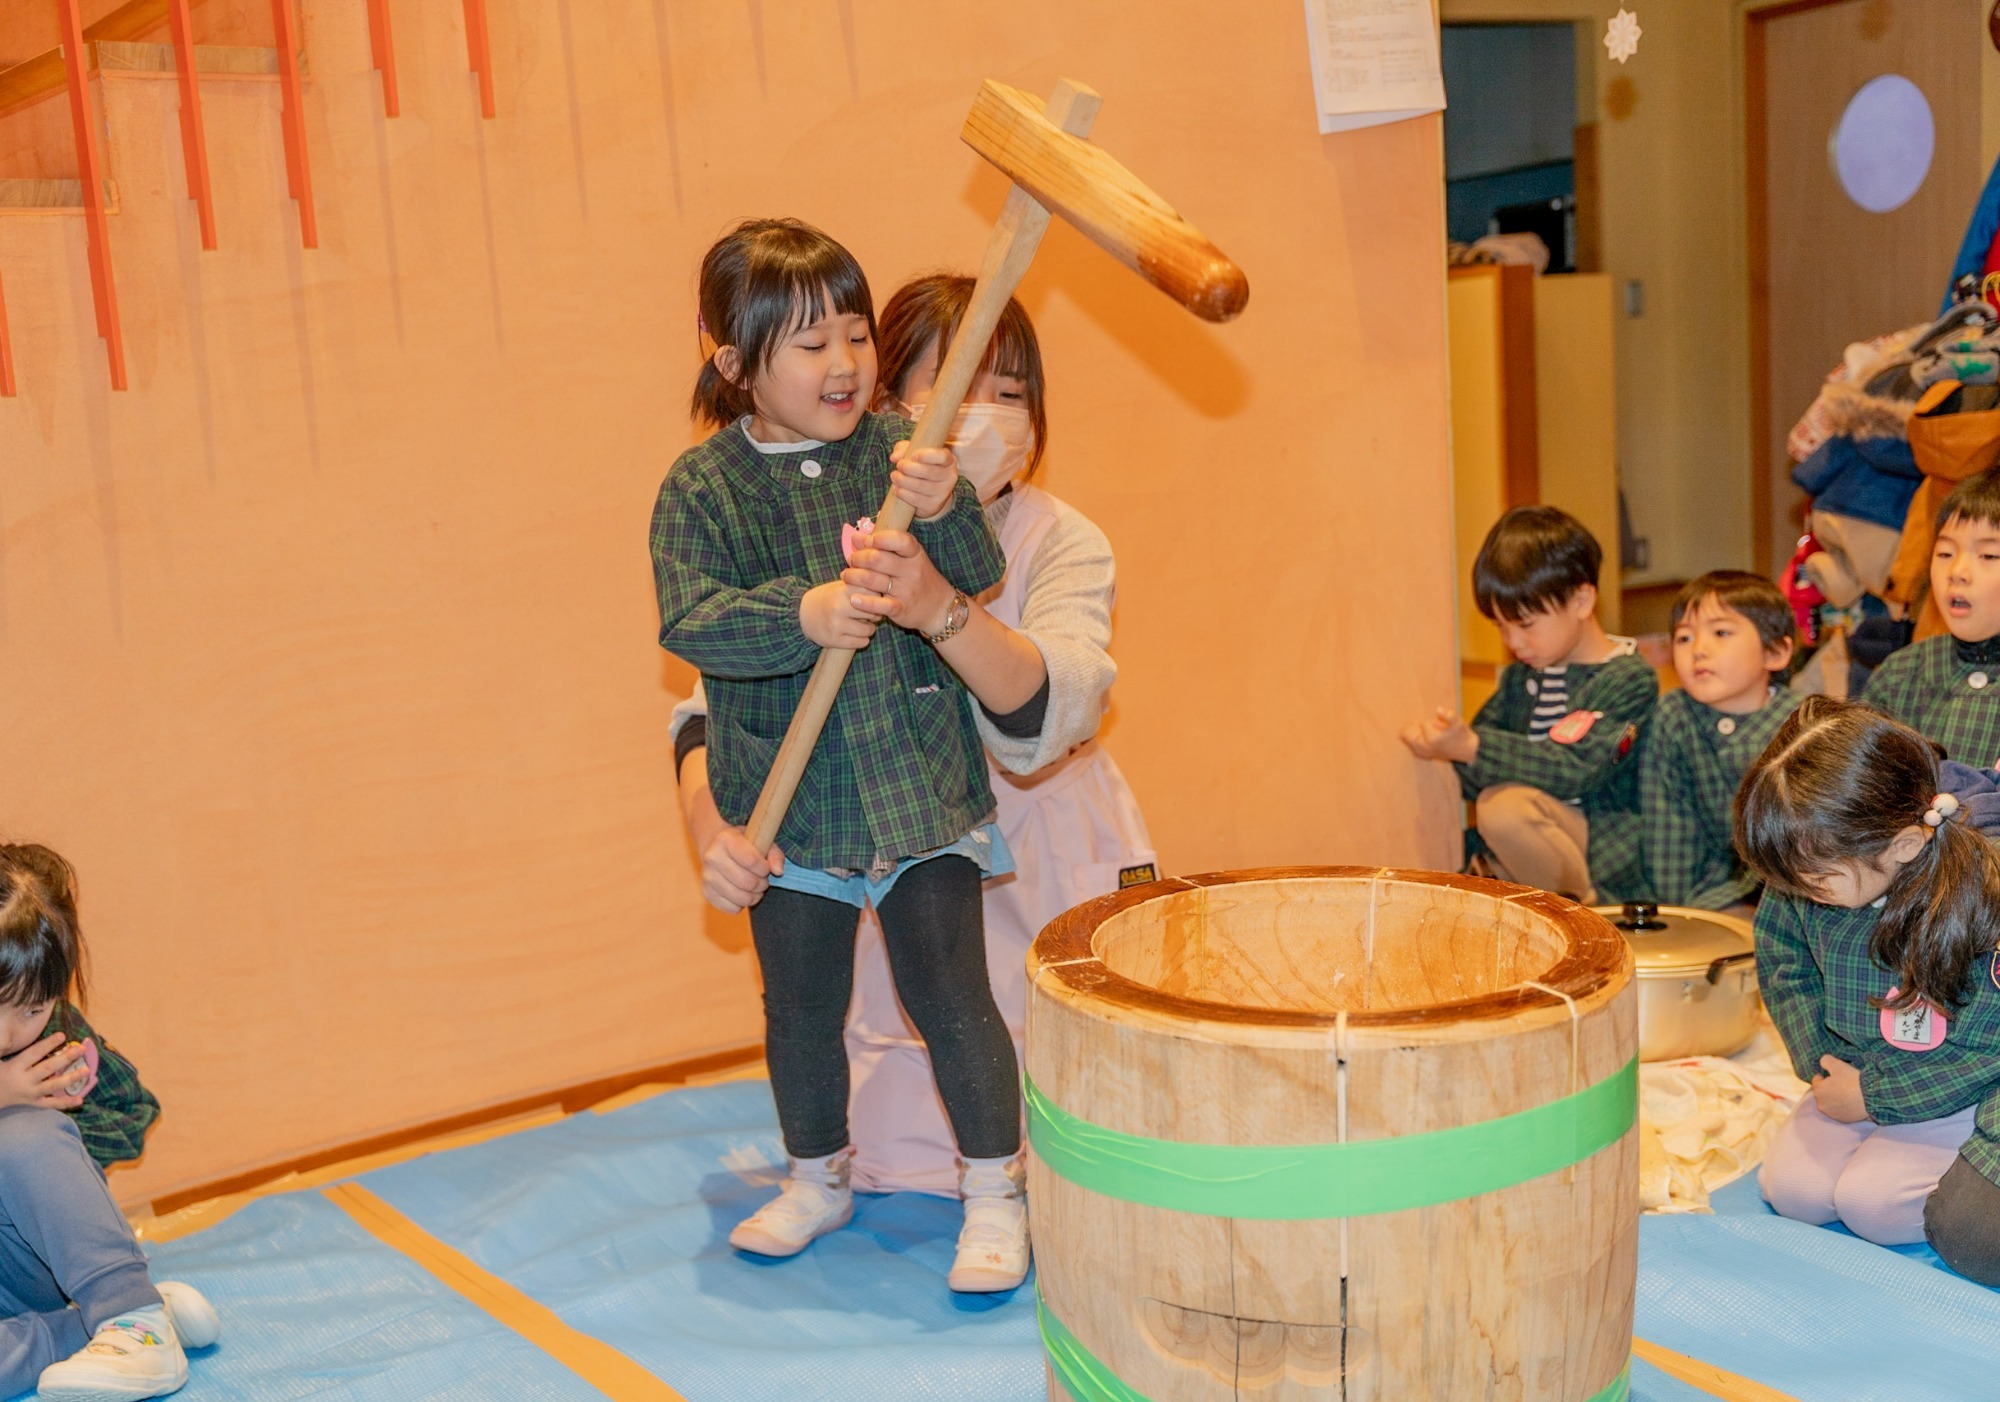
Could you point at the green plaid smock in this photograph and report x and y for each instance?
(1601, 769)
(1927, 688)
(115, 1116)
(738, 538)
(1689, 772)
(1816, 977)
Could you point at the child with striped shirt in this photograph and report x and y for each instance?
(1549, 760)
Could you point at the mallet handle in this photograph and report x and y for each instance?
(1073, 107)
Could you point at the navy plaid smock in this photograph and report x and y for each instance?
(115, 1116)
(738, 537)
(1816, 977)
(1601, 769)
(1927, 687)
(1688, 776)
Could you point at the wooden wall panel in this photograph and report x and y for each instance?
(346, 699)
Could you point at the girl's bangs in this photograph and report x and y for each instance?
(1776, 843)
(32, 972)
(1008, 354)
(808, 286)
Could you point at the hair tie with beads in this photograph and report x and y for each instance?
(1942, 806)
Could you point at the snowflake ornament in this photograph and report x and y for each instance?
(1621, 35)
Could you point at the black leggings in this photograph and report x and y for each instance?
(1962, 1223)
(937, 952)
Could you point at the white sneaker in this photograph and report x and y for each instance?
(816, 1200)
(993, 1247)
(132, 1356)
(195, 1319)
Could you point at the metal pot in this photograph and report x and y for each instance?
(1697, 976)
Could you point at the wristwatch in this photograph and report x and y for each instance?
(954, 618)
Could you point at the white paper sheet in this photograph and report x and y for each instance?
(1373, 61)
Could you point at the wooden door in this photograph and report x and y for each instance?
(1823, 270)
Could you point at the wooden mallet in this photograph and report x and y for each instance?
(1055, 170)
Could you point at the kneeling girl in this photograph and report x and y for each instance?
(1876, 955)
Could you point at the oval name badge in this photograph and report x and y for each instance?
(1918, 1028)
(1574, 726)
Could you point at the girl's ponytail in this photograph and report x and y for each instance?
(716, 400)
(1943, 912)
(1838, 784)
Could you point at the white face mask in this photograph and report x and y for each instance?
(992, 443)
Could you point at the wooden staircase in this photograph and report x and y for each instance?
(53, 125)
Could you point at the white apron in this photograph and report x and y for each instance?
(1073, 826)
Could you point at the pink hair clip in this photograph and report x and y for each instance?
(1942, 807)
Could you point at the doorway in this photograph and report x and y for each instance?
(1850, 235)
(1511, 136)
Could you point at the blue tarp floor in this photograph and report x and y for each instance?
(617, 1221)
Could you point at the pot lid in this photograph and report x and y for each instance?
(1675, 939)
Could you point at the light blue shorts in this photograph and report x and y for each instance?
(984, 845)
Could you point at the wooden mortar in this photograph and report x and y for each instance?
(1332, 1006)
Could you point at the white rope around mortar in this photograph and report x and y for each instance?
(1575, 1042)
(1340, 1111)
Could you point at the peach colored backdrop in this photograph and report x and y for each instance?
(329, 647)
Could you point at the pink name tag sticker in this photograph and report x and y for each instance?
(1574, 726)
(850, 535)
(83, 1079)
(1918, 1028)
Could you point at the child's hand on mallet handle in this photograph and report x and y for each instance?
(829, 617)
(1836, 1091)
(733, 876)
(37, 1075)
(899, 583)
(1444, 736)
(924, 479)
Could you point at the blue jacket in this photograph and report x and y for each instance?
(1871, 479)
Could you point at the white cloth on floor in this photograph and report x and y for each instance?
(1707, 1120)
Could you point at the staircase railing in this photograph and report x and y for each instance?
(67, 67)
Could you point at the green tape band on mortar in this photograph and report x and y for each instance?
(1293, 1182)
(1082, 1375)
(1087, 1380)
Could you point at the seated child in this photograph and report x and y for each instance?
(1944, 687)
(1876, 958)
(1733, 638)
(78, 1310)
(1548, 760)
